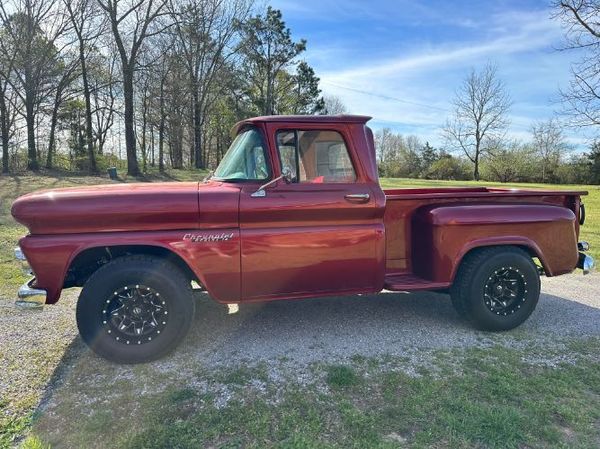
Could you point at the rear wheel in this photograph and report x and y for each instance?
(496, 288)
(135, 309)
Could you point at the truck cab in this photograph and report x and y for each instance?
(319, 228)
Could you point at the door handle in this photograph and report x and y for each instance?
(358, 197)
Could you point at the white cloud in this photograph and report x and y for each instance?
(536, 32)
(414, 90)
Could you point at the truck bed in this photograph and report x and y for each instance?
(408, 237)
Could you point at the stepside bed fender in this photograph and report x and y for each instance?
(444, 234)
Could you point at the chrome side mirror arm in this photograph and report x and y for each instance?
(286, 175)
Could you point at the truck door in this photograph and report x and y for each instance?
(320, 233)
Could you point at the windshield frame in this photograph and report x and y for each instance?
(266, 153)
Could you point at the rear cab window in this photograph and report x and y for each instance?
(315, 156)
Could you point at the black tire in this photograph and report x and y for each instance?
(135, 309)
(496, 288)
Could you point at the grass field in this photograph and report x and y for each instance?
(483, 398)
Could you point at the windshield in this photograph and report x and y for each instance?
(246, 159)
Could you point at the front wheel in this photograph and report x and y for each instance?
(135, 309)
(496, 288)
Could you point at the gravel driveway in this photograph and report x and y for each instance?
(331, 329)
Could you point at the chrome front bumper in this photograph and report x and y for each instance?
(585, 262)
(28, 297)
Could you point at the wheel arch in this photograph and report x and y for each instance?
(88, 260)
(525, 244)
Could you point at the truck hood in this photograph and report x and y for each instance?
(127, 207)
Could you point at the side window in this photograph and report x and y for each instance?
(315, 156)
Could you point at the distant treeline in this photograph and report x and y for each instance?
(511, 161)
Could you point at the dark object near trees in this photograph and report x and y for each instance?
(112, 173)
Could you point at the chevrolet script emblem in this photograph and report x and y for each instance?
(198, 238)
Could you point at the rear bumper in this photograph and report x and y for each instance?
(585, 262)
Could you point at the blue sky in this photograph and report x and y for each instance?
(418, 52)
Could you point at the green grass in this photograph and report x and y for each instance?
(342, 376)
(500, 402)
(496, 400)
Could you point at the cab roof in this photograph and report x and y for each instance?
(342, 118)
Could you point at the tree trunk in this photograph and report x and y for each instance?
(176, 145)
(52, 136)
(543, 171)
(144, 149)
(4, 130)
(198, 159)
(89, 132)
(32, 160)
(161, 145)
(477, 153)
(133, 168)
(161, 138)
(152, 161)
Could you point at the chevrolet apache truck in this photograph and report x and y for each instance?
(294, 210)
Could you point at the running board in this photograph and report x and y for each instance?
(410, 282)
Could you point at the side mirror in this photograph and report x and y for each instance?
(286, 175)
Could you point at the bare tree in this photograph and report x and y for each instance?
(131, 23)
(31, 30)
(7, 62)
(205, 31)
(549, 144)
(581, 22)
(84, 17)
(334, 105)
(60, 95)
(391, 149)
(480, 115)
(103, 87)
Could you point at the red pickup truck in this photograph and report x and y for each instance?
(294, 210)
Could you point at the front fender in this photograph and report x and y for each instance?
(213, 256)
(444, 234)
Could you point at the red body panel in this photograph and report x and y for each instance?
(299, 240)
(216, 265)
(446, 233)
(120, 207)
